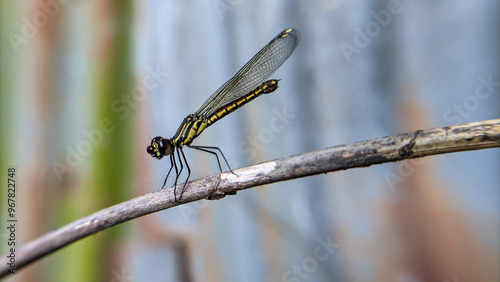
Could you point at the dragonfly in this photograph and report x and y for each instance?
(246, 85)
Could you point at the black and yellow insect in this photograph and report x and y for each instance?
(246, 85)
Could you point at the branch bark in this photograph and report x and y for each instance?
(420, 143)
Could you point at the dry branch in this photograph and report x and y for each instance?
(420, 143)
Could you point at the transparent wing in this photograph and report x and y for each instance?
(254, 72)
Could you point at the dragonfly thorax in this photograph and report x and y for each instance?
(190, 128)
(160, 147)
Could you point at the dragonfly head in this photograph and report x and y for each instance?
(160, 147)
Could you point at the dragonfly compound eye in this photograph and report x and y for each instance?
(150, 150)
(160, 147)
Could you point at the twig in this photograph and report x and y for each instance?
(420, 143)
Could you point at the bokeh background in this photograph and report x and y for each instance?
(86, 84)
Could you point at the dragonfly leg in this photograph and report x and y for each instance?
(189, 172)
(170, 170)
(179, 151)
(172, 159)
(208, 148)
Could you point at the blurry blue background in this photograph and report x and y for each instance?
(86, 84)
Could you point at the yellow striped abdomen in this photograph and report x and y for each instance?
(193, 126)
(265, 88)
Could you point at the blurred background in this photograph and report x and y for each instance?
(85, 85)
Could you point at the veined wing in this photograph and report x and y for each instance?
(254, 72)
